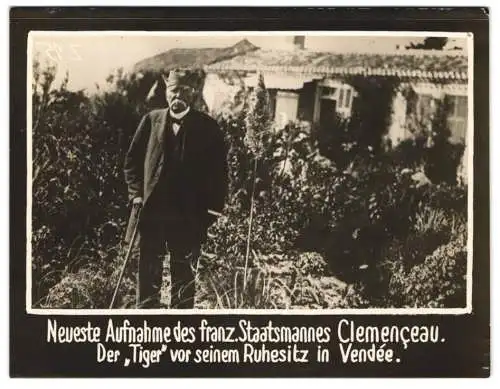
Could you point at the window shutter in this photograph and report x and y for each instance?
(344, 101)
(341, 98)
(457, 118)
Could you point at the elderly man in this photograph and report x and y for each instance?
(176, 167)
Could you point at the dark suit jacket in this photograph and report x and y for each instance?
(205, 161)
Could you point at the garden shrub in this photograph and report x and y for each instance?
(79, 196)
(439, 281)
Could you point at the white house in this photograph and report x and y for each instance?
(318, 86)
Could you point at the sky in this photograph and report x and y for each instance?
(89, 59)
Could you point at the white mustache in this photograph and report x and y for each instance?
(179, 103)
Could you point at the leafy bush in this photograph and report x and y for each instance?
(79, 196)
(437, 282)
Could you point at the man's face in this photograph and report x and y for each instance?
(179, 97)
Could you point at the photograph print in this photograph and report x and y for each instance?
(277, 171)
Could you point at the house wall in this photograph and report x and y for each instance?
(413, 111)
(303, 104)
(220, 92)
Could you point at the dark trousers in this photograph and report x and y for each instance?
(184, 250)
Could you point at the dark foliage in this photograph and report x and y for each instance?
(430, 43)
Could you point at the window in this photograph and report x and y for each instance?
(328, 93)
(342, 95)
(333, 98)
(457, 119)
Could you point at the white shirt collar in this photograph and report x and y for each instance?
(180, 115)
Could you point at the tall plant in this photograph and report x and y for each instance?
(258, 123)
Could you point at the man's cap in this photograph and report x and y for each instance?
(180, 77)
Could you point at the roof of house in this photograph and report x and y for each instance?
(425, 64)
(192, 57)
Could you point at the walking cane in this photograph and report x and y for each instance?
(129, 253)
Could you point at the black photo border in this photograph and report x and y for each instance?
(466, 353)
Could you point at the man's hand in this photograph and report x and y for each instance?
(137, 201)
(214, 216)
(214, 213)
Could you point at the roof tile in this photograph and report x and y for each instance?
(418, 63)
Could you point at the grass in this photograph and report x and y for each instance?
(429, 219)
(229, 289)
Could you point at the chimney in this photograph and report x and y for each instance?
(299, 42)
